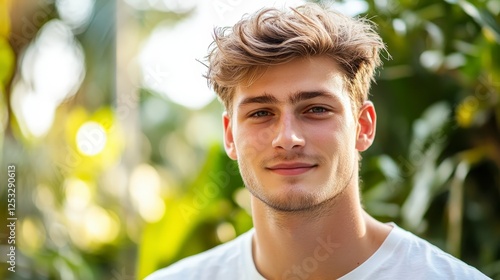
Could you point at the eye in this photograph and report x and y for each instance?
(317, 110)
(260, 114)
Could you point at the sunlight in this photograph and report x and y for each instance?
(34, 112)
(91, 138)
(52, 70)
(33, 235)
(145, 193)
(99, 225)
(168, 59)
(78, 194)
(75, 13)
(225, 232)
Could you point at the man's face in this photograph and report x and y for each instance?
(295, 135)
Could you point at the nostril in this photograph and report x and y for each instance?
(288, 141)
(287, 134)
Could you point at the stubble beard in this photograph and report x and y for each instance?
(294, 201)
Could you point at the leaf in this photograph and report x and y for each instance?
(203, 201)
(7, 61)
(482, 17)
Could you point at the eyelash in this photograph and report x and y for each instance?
(323, 110)
(256, 114)
(263, 113)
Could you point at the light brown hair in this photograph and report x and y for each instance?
(272, 36)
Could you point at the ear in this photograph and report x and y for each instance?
(228, 136)
(367, 119)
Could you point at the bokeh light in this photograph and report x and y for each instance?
(117, 138)
(91, 138)
(225, 232)
(75, 14)
(172, 57)
(52, 70)
(145, 193)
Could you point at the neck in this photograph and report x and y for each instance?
(324, 243)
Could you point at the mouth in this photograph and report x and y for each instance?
(291, 169)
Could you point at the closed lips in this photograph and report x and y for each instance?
(291, 169)
(291, 166)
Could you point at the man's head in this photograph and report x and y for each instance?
(273, 37)
(295, 87)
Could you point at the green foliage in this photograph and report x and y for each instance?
(192, 217)
(435, 164)
(441, 179)
(167, 190)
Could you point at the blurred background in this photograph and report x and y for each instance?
(117, 146)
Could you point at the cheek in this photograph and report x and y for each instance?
(333, 142)
(254, 141)
(248, 147)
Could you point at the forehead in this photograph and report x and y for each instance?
(313, 74)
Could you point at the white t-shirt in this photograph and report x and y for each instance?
(402, 255)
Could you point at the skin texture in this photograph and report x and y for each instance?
(296, 138)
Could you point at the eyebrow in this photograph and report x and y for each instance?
(266, 98)
(305, 95)
(297, 97)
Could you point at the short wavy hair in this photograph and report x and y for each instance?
(271, 36)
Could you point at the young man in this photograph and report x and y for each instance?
(295, 87)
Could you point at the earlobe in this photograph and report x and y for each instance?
(367, 118)
(228, 136)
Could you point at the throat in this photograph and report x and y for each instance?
(333, 241)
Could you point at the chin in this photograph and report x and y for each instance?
(291, 200)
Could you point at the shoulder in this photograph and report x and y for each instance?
(403, 255)
(428, 260)
(217, 263)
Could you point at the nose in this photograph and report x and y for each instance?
(288, 134)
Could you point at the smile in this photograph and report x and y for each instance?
(291, 169)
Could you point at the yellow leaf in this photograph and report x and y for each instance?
(6, 61)
(466, 111)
